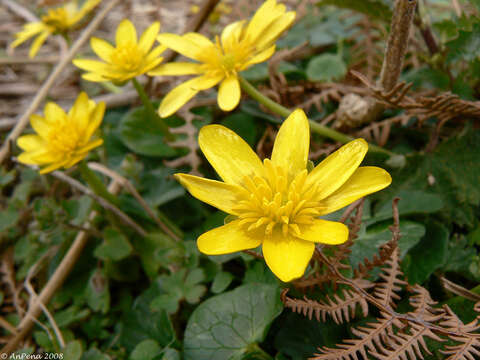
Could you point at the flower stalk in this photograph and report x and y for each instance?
(316, 127)
(95, 183)
(152, 114)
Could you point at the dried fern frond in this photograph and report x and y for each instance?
(386, 291)
(371, 337)
(190, 141)
(423, 305)
(405, 346)
(385, 252)
(368, 48)
(469, 342)
(379, 132)
(341, 307)
(444, 107)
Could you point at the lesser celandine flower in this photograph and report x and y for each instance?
(62, 139)
(57, 21)
(240, 46)
(277, 203)
(128, 59)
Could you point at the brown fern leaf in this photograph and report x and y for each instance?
(370, 337)
(423, 305)
(379, 132)
(453, 323)
(190, 142)
(341, 308)
(368, 52)
(315, 279)
(307, 307)
(469, 342)
(385, 291)
(405, 346)
(468, 349)
(445, 106)
(385, 252)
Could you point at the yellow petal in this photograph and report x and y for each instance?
(37, 157)
(229, 154)
(55, 166)
(274, 30)
(182, 44)
(41, 126)
(198, 39)
(180, 95)
(229, 94)
(287, 257)
(177, 68)
(80, 112)
(29, 30)
(38, 43)
(74, 160)
(94, 77)
(231, 35)
(148, 37)
(258, 21)
(30, 142)
(102, 48)
(54, 113)
(325, 232)
(227, 239)
(290, 150)
(91, 65)
(260, 57)
(91, 145)
(332, 172)
(126, 33)
(96, 118)
(216, 193)
(365, 180)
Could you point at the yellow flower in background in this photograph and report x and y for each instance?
(56, 21)
(128, 59)
(62, 139)
(240, 46)
(277, 203)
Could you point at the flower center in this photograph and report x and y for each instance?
(230, 57)
(128, 56)
(57, 18)
(274, 201)
(64, 139)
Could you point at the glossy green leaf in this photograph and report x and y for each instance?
(148, 324)
(224, 326)
(428, 255)
(97, 292)
(73, 350)
(115, 246)
(326, 67)
(146, 350)
(221, 282)
(142, 136)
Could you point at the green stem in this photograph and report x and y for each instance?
(316, 127)
(151, 111)
(97, 186)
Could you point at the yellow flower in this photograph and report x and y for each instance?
(56, 21)
(130, 58)
(62, 139)
(277, 203)
(241, 45)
